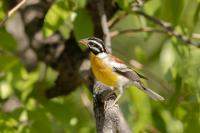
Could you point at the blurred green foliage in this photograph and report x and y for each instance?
(175, 67)
(2, 14)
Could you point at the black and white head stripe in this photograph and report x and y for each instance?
(96, 45)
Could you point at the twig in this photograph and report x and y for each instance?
(104, 24)
(12, 11)
(112, 23)
(110, 120)
(127, 31)
(196, 36)
(140, 3)
(166, 26)
(16, 7)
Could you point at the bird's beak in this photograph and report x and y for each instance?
(84, 41)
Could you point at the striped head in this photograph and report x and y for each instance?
(94, 44)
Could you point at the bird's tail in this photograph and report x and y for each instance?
(149, 92)
(153, 94)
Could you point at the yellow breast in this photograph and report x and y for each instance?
(102, 72)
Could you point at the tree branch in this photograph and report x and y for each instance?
(12, 11)
(129, 31)
(110, 120)
(139, 3)
(166, 26)
(104, 24)
(196, 36)
(112, 23)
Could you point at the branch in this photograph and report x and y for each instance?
(12, 11)
(139, 3)
(196, 36)
(166, 26)
(129, 31)
(110, 120)
(104, 24)
(112, 23)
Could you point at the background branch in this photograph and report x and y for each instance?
(166, 26)
(129, 31)
(113, 22)
(12, 11)
(104, 24)
(196, 36)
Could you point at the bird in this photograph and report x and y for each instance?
(112, 71)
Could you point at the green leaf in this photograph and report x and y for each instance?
(139, 99)
(2, 14)
(54, 108)
(158, 121)
(81, 3)
(40, 121)
(189, 15)
(7, 42)
(8, 62)
(196, 15)
(171, 10)
(152, 6)
(83, 26)
(11, 65)
(7, 123)
(124, 4)
(55, 17)
(66, 28)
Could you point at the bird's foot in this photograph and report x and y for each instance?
(112, 105)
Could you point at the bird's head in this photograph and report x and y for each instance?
(95, 45)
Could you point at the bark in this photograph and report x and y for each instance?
(110, 120)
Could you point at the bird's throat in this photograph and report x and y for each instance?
(102, 55)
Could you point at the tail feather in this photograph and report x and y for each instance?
(153, 94)
(148, 91)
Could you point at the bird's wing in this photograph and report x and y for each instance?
(140, 75)
(120, 67)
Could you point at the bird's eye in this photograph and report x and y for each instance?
(91, 44)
